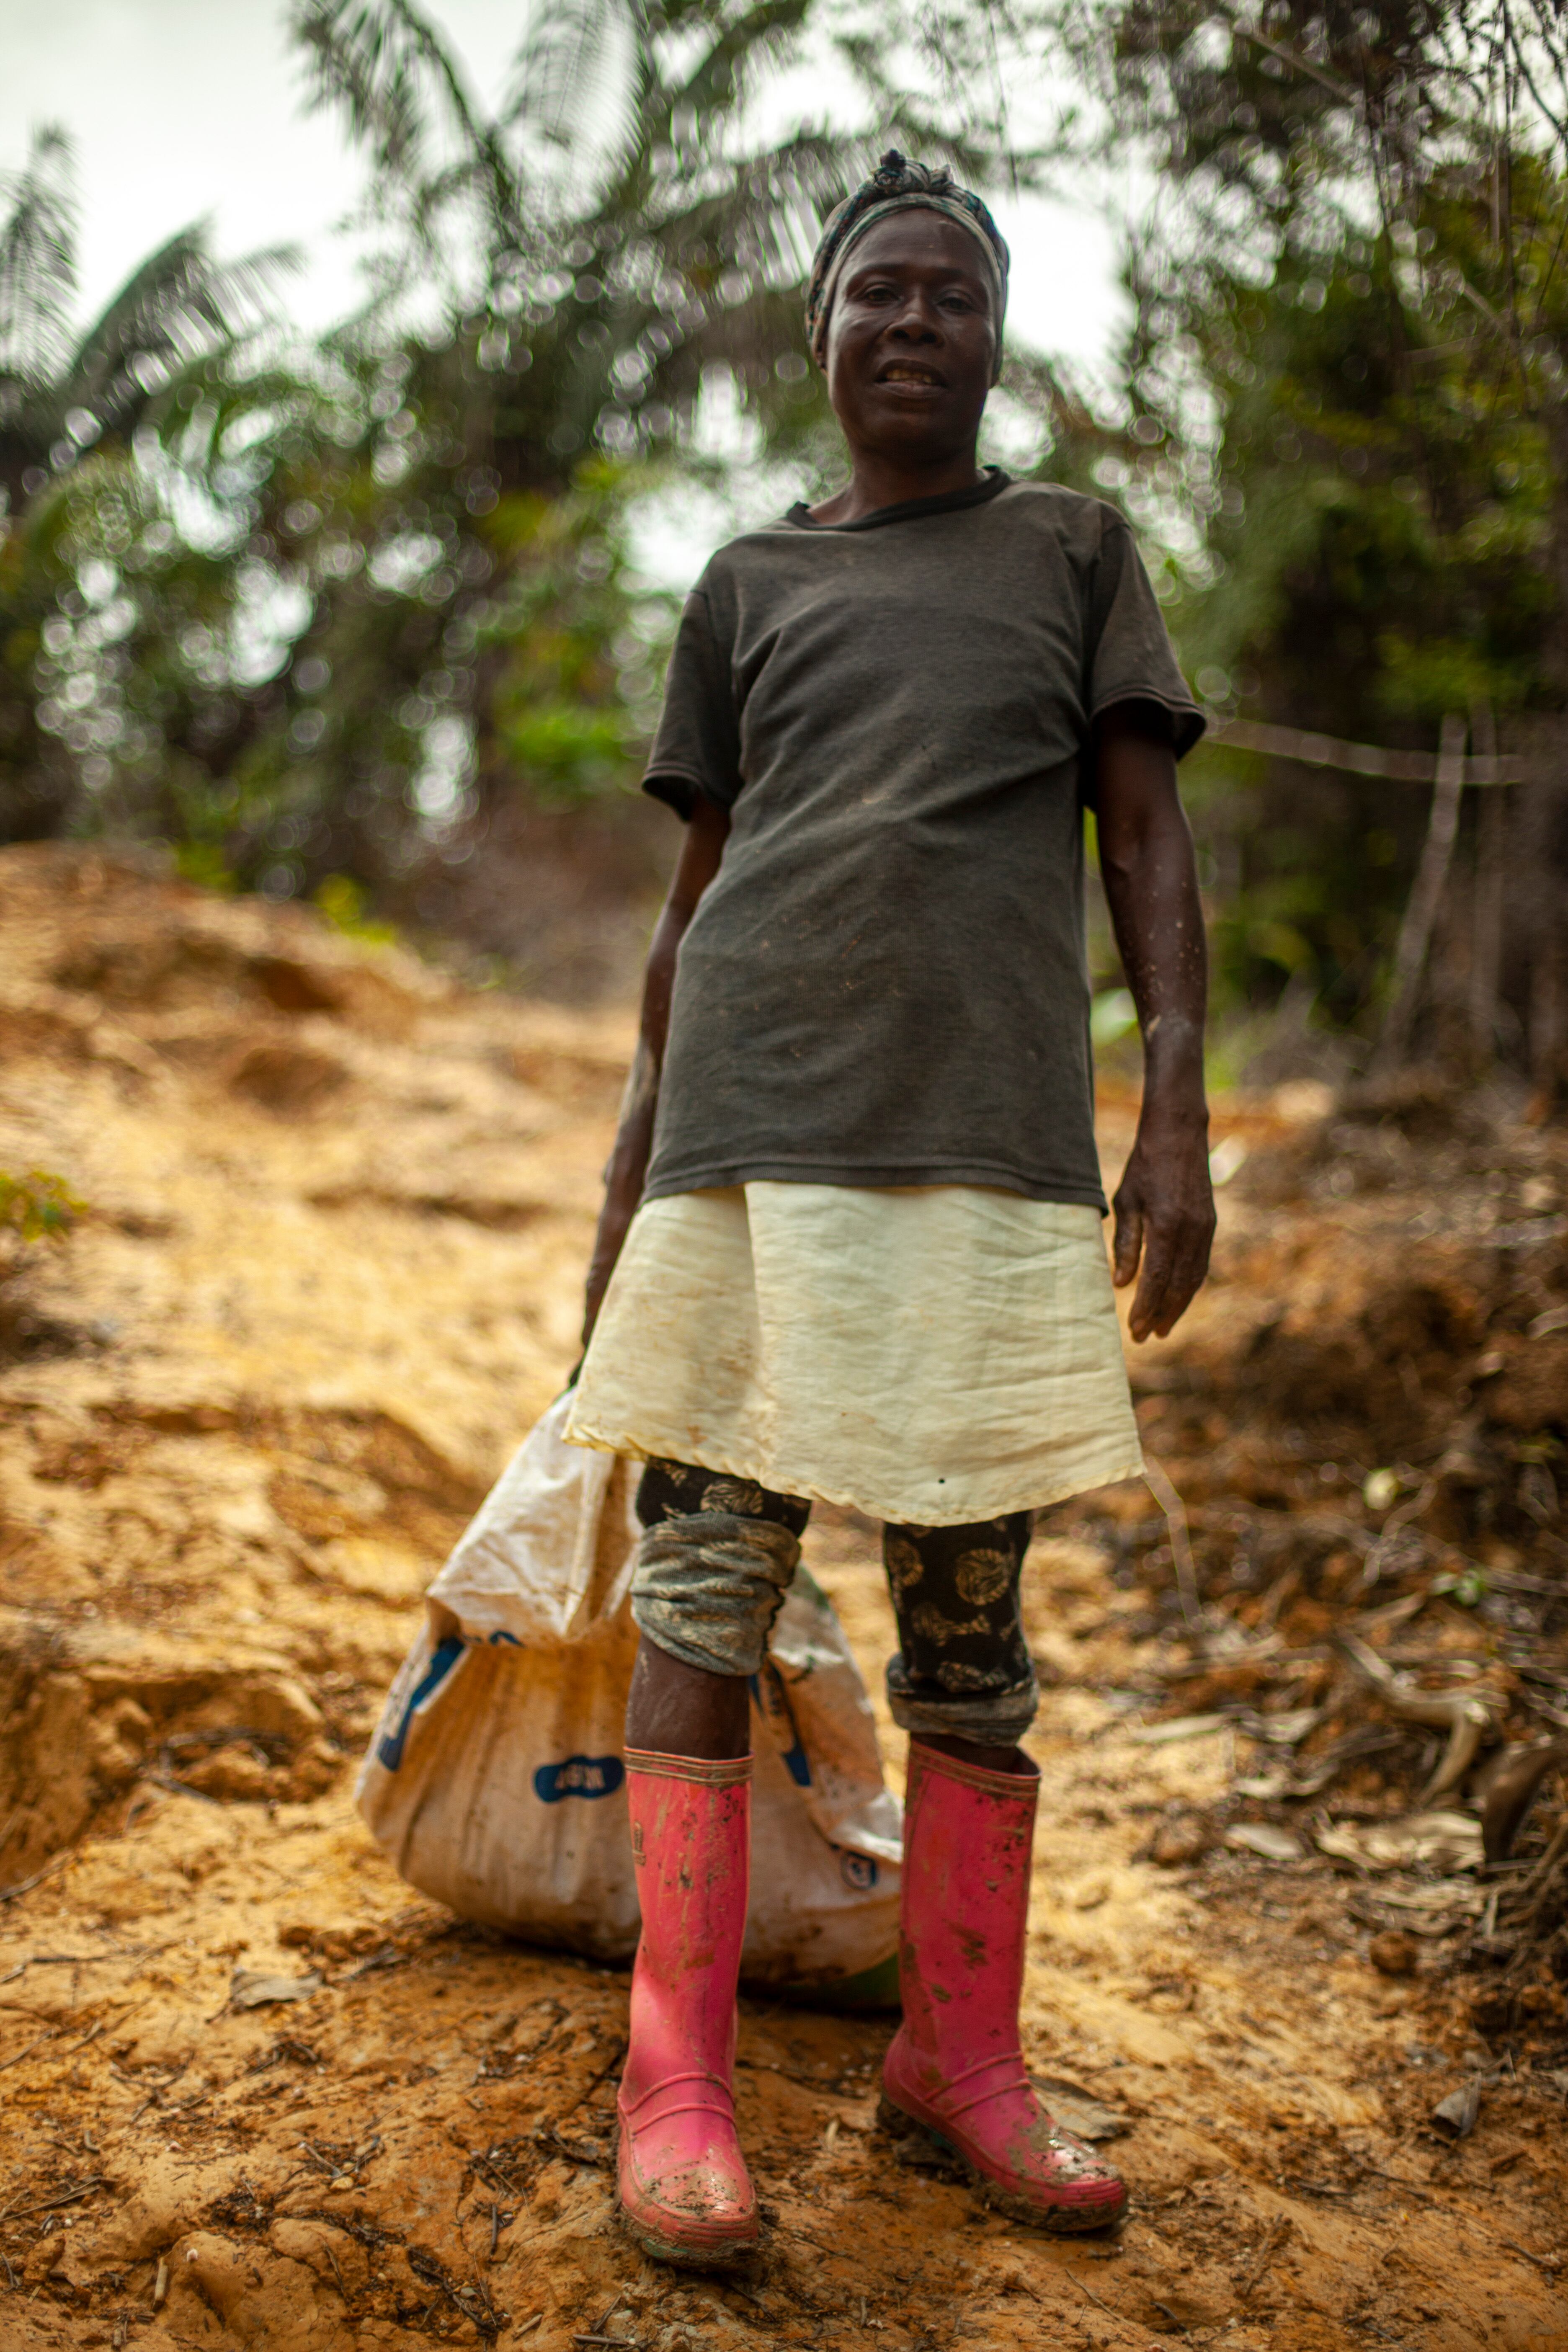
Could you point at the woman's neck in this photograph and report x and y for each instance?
(878, 480)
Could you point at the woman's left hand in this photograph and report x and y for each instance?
(1164, 1203)
(1165, 1217)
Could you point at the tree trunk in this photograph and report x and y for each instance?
(1491, 864)
(1541, 862)
(1425, 898)
(1546, 1022)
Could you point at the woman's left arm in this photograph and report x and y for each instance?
(1164, 1203)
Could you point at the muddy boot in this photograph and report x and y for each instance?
(955, 2072)
(685, 2192)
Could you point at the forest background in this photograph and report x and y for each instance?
(357, 616)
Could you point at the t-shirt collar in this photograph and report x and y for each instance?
(992, 481)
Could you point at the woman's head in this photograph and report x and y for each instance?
(908, 294)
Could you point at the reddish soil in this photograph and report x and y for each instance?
(337, 1214)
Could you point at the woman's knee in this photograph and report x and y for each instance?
(717, 1556)
(963, 1670)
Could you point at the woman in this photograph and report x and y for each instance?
(850, 1245)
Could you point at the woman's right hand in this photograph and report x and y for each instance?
(700, 853)
(623, 1189)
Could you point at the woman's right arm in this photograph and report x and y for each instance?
(700, 853)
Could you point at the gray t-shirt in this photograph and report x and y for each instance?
(886, 983)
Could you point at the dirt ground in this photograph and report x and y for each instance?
(328, 1270)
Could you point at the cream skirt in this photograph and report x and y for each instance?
(932, 1356)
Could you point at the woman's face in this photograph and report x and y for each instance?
(911, 339)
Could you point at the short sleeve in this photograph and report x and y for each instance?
(1129, 654)
(698, 746)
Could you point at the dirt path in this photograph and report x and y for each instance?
(337, 1215)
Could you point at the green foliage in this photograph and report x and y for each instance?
(1112, 1016)
(1347, 423)
(38, 1206)
(308, 612)
(341, 900)
(61, 392)
(203, 863)
(1467, 1586)
(1379, 554)
(106, 607)
(328, 605)
(307, 625)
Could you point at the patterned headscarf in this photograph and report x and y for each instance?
(898, 186)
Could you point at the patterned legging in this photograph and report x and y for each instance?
(717, 1558)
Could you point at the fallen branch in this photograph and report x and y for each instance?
(599, 2074)
(18, 2055)
(434, 2272)
(1467, 1716)
(1278, 2231)
(1550, 2263)
(1398, 1519)
(1425, 896)
(1549, 1878)
(1355, 759)
(26, 1885)
(1093, 2296)
(72, 2196)
(1171, 1503)
(1510, 1786)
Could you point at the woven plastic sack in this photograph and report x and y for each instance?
(495, 1780)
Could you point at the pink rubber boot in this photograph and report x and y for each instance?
(685, 2191)
(955, 2070)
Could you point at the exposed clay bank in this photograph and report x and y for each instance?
(338, 1215)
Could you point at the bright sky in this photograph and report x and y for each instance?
(183, 108)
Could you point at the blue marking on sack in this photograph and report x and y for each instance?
(443, 1658)
(578, 1776)
(510, 1638)
(859, 1872)
(775, 1708)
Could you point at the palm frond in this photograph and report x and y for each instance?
(37, 262)
(355, 64)
(399, 87)
(177, 306)
(762, 210)
(577, 64)
(742, 50)
(681, 147)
